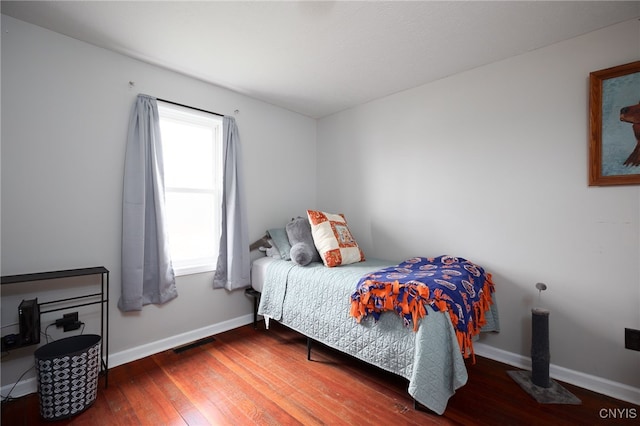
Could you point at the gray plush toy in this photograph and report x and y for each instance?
(303, 251)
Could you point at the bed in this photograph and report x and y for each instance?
(315, 301)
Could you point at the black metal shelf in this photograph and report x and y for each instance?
(39, 276)
(101, 298)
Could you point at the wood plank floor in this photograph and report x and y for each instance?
(249, 376)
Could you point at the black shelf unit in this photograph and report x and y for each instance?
(101, 298)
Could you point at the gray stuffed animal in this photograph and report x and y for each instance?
(303, 251)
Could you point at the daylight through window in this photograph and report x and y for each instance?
(192, 145)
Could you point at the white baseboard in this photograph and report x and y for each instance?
(25, 387)
(143, 351)
(596, 384)
(22, 388)
(587, 381)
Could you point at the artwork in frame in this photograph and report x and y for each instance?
(614, 120)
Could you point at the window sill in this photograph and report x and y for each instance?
(191, 270)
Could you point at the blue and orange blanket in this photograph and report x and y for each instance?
(446, 283)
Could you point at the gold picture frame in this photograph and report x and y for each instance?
(614, 122)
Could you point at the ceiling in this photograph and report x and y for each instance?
(318, 58)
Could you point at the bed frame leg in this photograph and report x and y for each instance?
(255, 312)
(255, 295)
(308, 349)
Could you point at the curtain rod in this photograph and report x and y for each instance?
(187, 106)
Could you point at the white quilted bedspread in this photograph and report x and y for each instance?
(315, 301)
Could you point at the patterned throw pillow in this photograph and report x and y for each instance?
(333, 239)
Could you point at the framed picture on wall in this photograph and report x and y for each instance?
(614, 121)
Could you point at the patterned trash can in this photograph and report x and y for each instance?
(67, 371)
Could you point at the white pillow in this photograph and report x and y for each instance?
(332, 238)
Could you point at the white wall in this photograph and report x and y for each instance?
(65, 111)
(491, 165)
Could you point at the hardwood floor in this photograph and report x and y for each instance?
(249, 376)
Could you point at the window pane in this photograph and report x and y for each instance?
(188, 154)
(194, 226)
(192, 148)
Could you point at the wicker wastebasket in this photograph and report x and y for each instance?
(67, 371)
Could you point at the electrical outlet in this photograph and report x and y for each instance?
(632, 339)
(69, 322)
(72, 322)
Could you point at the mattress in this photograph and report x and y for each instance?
(259, 272)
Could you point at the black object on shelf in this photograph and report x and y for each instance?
(101, 298)
(29, 322)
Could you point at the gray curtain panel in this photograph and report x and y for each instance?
(147, 272)
(233, 267)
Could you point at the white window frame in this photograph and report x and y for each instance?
(195, 117)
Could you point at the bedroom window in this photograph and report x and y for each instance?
(192, 145)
